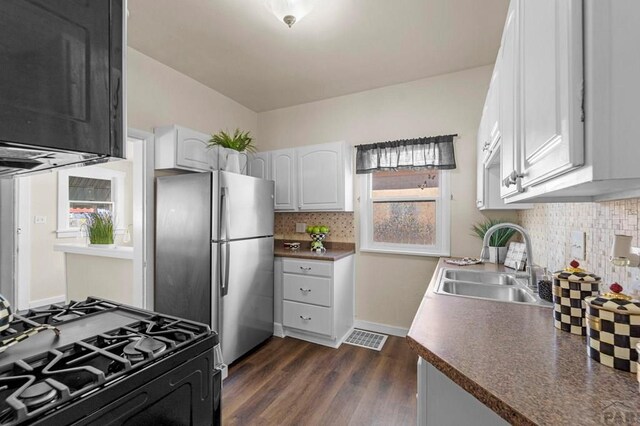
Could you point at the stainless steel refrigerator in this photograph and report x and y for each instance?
(214, 255)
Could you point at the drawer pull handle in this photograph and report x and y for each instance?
(305, 318)
(305, 268)
(305, 290)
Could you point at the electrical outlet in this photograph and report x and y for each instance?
(301, 227)
(39, 219)
(578, 245)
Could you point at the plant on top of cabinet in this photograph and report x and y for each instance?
(240, 141)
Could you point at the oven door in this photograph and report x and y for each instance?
(180, 397)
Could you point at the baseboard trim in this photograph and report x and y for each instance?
(48, 301)
(278, 331)
(381, 328)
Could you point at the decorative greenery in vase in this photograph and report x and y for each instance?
(499, 238)
(100, 228)
(240, 141)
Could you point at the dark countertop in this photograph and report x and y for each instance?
(512, 359)
(335, 251)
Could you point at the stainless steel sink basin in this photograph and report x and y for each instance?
(493, 292)
(501, 287)
(480, 277)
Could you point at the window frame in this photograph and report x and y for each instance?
(117, 179)
(442, 247)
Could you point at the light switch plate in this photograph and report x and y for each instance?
(39, 219)
(578, 245)
(301, 227)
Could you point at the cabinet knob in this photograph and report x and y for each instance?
(305, 290)
(305, 268)
(305, 318)
(512, 179)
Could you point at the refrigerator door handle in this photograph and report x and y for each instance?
(224, 213)
(225, 253)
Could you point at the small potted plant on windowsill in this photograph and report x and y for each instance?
(498, 240)
(100, 229)
(233, 145)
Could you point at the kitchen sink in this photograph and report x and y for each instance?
(501, 287)
(480, 277)
(493, 292)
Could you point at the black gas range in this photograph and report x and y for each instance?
(109, 364)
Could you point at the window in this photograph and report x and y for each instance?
(405, 212)
(88, 190)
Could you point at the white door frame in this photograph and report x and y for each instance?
(143, 217)
(143, 226)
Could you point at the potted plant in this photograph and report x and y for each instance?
(234, 145)
(498, 240)
(100, 229)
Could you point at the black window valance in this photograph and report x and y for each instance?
(433, 152)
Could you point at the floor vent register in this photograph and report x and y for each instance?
(366, 339)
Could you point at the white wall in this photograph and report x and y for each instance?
(389, 287)
(158, 95)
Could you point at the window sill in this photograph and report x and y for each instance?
(75, 233)
(405, 252)
(117, 252)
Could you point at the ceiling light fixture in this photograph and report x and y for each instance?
(290, 11)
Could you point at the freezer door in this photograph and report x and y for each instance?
(246, 207)
(247, 295)
(183, 246)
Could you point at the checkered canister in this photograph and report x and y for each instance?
(6, 316)
(569, 291)
(613, 330)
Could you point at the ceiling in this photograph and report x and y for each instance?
(240, 49)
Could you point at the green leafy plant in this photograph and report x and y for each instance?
(499, 238)
(100, 228)
(240, 141)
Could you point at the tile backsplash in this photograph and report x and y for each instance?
(341, 225)
(550, 226)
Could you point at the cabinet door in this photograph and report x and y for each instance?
(283, 173)
(192, 150)
(321, 181)
(492, 129)
(259, 165)
(508, 98)
(60, 74)
(481, 148)
(552, 135)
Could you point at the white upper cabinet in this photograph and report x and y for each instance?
(325, 179)
(259, 165)
(552, 132)
(568, 87)
(507, 99)
(283, 172)
(178, 147)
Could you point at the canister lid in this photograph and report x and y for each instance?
(619, 306)
(576, 276)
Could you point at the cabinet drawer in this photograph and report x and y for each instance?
(307, 289)
(308, 267)
(315, 319)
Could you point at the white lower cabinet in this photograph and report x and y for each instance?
(441, 402)
(314, 299)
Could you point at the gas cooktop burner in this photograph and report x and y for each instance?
(38, 394)
(91, 353)
(142, 348)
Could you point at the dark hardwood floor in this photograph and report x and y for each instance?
(292, 382)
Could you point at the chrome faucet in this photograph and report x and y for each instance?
(531, 274)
